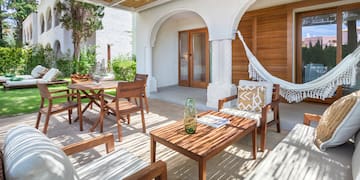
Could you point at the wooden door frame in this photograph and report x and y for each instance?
(190, 82)
(298, 70)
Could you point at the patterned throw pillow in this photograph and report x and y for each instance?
(251, 98)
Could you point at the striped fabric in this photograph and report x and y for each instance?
(116, 165)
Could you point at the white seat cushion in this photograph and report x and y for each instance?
(29, 154)
(248, 114)
(25, 82)
(297, 158)
(38, 71)
(356, 158)
(116, 165)
(51, 75)
(3, 78)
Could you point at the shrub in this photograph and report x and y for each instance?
(87, 61)
(12, 60)
(124, 68)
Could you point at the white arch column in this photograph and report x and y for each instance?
(221, 72)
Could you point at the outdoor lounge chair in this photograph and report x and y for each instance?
(143, 77)
(36, 73)
(50, 78)
(29, 154)
(266, 115)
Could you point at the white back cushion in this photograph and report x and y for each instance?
(51, 75)
(38, 71)
(356, 158)
(29, 154)
(268, 88)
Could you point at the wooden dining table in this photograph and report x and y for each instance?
(93, 91)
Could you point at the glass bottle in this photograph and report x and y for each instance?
(190, 116)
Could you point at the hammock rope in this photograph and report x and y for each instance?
(323, 87)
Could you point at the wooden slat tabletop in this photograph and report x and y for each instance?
(207, 140)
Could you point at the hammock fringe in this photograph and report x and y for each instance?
(323, 87)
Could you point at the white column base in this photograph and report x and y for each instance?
(216, 91)
(152, 84)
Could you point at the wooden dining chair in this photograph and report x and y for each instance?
(143, 77)
(53, 108)
(121, 105)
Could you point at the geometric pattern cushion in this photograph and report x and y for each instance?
(30, 155)
(340, 121)
(251, 98)
(268, 88)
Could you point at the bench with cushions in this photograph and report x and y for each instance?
(324, 152)
(29, 154)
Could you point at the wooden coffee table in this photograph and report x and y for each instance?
(206, 142)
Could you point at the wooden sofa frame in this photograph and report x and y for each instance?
(156, 170)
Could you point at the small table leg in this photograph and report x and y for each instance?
(79, 110)
(254, 134)
(202, 169)
(152, 149)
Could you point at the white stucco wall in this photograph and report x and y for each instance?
(117, 32)
(165, 50)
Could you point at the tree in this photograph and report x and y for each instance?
(82, 18)
(21, 10)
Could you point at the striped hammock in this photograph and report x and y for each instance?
(323, 87)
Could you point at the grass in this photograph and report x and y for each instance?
(22, 101)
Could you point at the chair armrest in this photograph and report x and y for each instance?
(224, 100)
(156, 171)
(308, 117)
(107, 139)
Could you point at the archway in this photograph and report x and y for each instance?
(49, 19)
(57, 49)
(165, 42)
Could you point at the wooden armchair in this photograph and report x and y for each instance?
(143, 77)
(122, 105)
(53, 108)
(308, 118)
(268, 111)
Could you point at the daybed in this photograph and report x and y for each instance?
(50, 78)
(36, 73)
(306, 153)
(29, 154)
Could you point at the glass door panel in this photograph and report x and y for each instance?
(199, 57)
(351, 40)
(318, 49)
(184, 58)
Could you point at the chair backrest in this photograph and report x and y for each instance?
(276, 92)
(140, 77)
(44, 90)
(130, 89)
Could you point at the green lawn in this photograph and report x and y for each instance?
(22, 101)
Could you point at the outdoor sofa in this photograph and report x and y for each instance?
(303, 155)
(50, 77)
(29, 154)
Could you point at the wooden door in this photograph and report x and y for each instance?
(194, 64)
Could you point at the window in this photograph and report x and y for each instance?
(42, 24)
(49, 20)
(324, 38)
